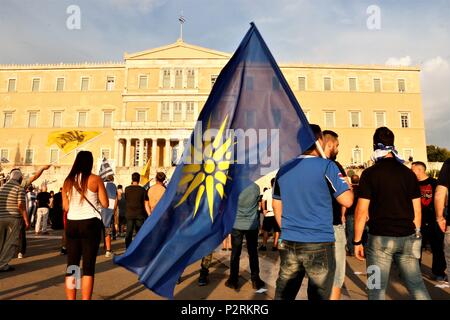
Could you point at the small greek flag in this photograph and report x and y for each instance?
(182, 19)
(105, 170)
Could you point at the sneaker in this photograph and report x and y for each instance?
(20, 255)
(262, 248)
(203, 280)
(258, 284)
(108, 254)
(231, 284)
(63, 251)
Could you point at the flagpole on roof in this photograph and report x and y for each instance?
(182, 21)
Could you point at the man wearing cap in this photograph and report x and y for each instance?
(12, 215)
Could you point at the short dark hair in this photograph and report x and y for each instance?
(135, 177)
(355, 179)
(330, 133)
(420, 163)
(160, 176)
(383, 135)
(119, 186)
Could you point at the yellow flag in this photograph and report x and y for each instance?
(70, 140)
(145, 173)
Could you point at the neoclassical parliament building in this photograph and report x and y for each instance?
(149, 102)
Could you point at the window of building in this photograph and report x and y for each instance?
(32, 119)
(82, 119)
(166, 78)
(107, 119)
(302, 83)
(357, 156)
(7, 121)
(165, 111)
(404, 119)
(4, 156)
(84, 84)
(213, 79)
(141, 115)
(29, 154)
(380, 119)
(178, 78)
(57, 119)
(329, 119)
(408, 154)
(377, 85)
(12, 85)
(177, 111)
(110, 83)
(143, 82)
(191, 78)
(401, 85)
(307, 115)
(60, 84)
(249, 83)
(327, 83)
(352, 84)
(54, 155)
(355, 119)
(190, 111)
(36, 84)
(106, 153)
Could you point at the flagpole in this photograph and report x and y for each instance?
(87, 142)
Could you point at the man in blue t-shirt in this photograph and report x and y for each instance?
(302, 203)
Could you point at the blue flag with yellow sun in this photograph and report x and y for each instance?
(250, 125)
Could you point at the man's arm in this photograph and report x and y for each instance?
(39, 173)
(417, 212)
(439, 205)
(361, 215)
(345, 199)
(23, 211)
(277, 206)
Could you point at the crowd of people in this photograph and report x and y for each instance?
(316, 213)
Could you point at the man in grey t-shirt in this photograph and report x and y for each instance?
(12, 215)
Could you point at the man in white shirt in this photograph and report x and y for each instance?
(269, 223)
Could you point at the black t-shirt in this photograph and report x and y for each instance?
(337, 208)
(351, 211)
(427, 188)
(135, 197)
(444, 180)
(390, 187)
(43, 199)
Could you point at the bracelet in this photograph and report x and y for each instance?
(357, 243)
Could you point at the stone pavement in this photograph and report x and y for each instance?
(40, 276)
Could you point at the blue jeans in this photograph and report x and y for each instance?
(237, 239)
(405, 251)
(316, 260)
(340, 255)
(447, 250)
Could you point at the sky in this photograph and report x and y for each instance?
(401, 32)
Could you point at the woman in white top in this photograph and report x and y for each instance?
(83, 196)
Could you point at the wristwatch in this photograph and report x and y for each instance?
(357, 243)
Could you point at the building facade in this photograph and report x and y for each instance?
(147, 104)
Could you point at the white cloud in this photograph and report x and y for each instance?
(403, 61)
(436, 65)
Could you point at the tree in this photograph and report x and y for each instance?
(437, 154)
